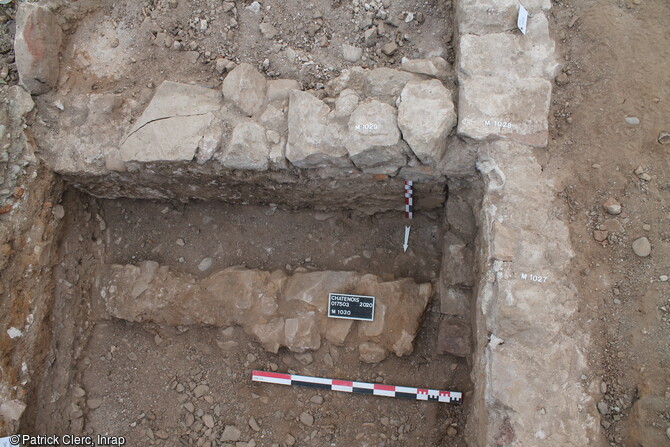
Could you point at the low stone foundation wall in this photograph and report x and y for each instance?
(529, 351)
(278, 309)
(350, 145)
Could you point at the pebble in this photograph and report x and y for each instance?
(664, 138)
(189, 407)
(306, 418)
(600, 235)
(200, 390)
(390, 48)
(255, 7)
(93, 403)
(663, 278)
(612, 206)
(231, 433)
(316, 400)
(205, 264)
(351, 53)
(562, 79)
(180, 242)
(603, 408)
(268, 31)
(642, 247)
(646, 227)
(208, 420)
(667, 432)
(632, 120)
(254, 425)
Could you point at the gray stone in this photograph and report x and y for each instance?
(642, 247)
(510, 56)
(370, 36)
(435, 67)
(173, 124)
(612, 206)
(345, 104)
(374, 138)
(426, 116)
(457, 262)
(491, 108)
(390, 49)
(231, 434)
(245, 87)
(454, 338)
(268, 31)
(455, 300)
(248, 148)
(278, 91)
(485, 16)
(306, 419)
(351, 54)
(12, 409)
(313, 140)
(603, 408)
(253, 424)
(385, 84)
(205, 264)
(369, 352)
(208, 420)
(632, 120)
(36, 46)
(664, 138)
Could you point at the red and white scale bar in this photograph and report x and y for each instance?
(409, 199)
(375, 389)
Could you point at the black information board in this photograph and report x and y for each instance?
(352, 307)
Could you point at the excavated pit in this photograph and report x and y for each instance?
(138, 378)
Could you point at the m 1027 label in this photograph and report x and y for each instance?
(352, 307)
(535, 278)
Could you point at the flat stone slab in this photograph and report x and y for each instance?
(493, 108)
(487, 16)
(510, 56)
(172, 125)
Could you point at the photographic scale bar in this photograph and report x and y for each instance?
(345, 386)
(409, 213)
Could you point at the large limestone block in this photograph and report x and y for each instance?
(271, 334)
(385, 84)
(426, 116)
(248, 149)
(174, 123)
(486, 16)
(313, 140)
(374, 138)
(455, 300)
(399, 306)
(494, 108)
(510, 56)
(36, 46)
(313, 288)
(245, 87)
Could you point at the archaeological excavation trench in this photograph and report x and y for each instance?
(197, 231)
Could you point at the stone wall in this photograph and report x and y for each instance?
(279, 310)
(529, 352)
(350, 145)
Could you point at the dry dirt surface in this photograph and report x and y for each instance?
(616, 67)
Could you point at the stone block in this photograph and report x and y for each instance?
(374, 143)
(426, 116)
(385, 84)
(245, 87)
(369, 352)
(454, 338)
(435, 67)
(36, 46)
(510, 56)
(314, 140)
(495, 108)
(486, 16)
(173, 124)
(248, 149)
(457, 262)
(302, 332)
(279, 90)
(455, 300)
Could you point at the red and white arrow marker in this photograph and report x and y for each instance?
(375, 389)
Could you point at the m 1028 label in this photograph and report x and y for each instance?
(352, 307)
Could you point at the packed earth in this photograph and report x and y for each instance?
(185, 183)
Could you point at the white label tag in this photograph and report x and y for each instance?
(522, 20)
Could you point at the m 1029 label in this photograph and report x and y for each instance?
(352, 307)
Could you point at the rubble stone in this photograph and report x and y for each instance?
(435, 67)
(248, 148)
(374, 141)
(245, 87)
(369, 352)
(426, 116)
(313, 140)
(454, 338)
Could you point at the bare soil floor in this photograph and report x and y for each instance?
(617, 55)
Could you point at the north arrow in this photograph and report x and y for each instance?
(406, 244)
